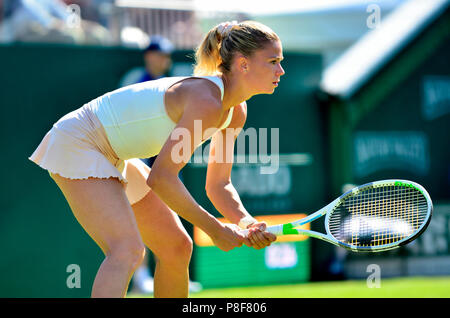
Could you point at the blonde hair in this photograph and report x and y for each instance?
(215, 53)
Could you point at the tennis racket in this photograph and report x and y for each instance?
(373, 217)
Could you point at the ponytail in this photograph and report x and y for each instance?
(207, 55)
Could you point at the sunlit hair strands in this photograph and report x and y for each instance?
(215, 53)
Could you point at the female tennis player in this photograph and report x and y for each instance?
(123, 204)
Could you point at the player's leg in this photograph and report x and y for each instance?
(164, 234)
(103, 210)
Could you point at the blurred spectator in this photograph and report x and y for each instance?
(157, 58)
(157, 62)
(49, 21)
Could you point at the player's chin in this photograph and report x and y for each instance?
(269, 91)
(273, 87)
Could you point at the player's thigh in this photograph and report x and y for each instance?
(161, 228)
(102, 209)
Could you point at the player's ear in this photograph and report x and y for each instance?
(241, 63)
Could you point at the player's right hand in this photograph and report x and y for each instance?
(228, 237)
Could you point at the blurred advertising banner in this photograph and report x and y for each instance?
(285, 261)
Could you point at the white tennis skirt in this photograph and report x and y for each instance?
(77, 147)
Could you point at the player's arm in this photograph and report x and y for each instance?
(220, 189)
(201, 105)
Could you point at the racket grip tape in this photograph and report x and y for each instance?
(274, 229)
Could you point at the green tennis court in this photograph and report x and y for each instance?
(410, 287)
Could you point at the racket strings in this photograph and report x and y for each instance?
(379, 216)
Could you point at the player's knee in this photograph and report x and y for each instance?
(129, 253)
(180, 250)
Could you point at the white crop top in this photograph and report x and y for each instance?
(135, 119)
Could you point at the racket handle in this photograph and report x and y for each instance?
(274, 229)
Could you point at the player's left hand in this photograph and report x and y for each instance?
(257, 237)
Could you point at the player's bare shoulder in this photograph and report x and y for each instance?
(195, 89)
(195, 95)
